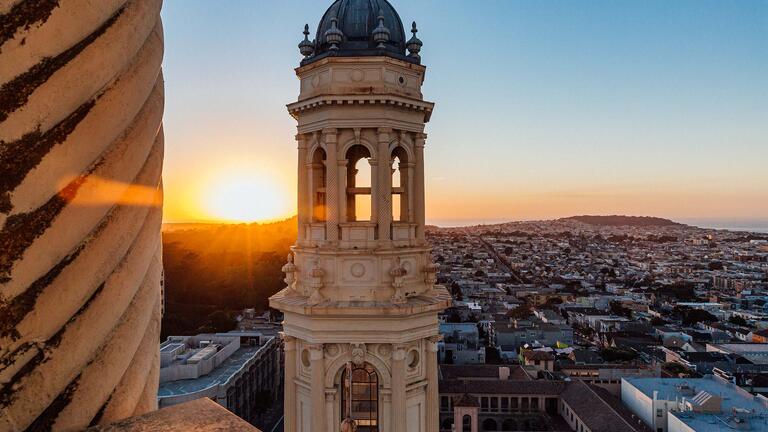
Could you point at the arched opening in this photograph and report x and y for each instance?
(509, 425)
(400, 184)
(318, 186)
(490, 425)
(360, 397)
(466, 423)
(358, 183)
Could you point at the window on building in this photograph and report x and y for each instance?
(484, 404)
(504, 404)
(318, 179)
(358, 183)
(494, 404)
(360, 397)
(400, 184)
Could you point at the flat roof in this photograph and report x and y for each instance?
(218, 376)
(703, 422)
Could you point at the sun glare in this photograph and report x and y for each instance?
(245, 199)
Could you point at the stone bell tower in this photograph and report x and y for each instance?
(361, 302)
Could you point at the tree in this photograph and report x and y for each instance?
(612, 354)
(676, 369)
(520, 312)
(737, 320)
(694, 316)
(618, 309)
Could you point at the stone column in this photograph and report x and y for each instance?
(317, 365)
(384, 195)
(418, 187)
(398, 389)
(375, 182)
(304, 207)
(342, 167)
(433, 397)
(289, 409)
(331, 187)
(80, 266)
(332, 420)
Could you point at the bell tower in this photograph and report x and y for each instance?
(361, 300)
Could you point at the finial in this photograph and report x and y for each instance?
(306, 48)
(334, 36)
(414, 45)
(381, 33)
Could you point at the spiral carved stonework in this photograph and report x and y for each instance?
(81, 150)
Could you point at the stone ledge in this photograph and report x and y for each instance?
(437, 300)
(202, 415)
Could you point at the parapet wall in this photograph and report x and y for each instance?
(81, 150)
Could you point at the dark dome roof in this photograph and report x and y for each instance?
(357, 19)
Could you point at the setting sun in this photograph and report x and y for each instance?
(244, 198)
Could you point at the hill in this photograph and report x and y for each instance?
(213, 271)
(616, 220)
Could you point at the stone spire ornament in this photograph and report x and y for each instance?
(398, 273)
(334, 36)
(316, 275)
(306, 47)
(290, 273)
(381, 33)
(414, 44)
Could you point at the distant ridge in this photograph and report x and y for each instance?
(616, 220)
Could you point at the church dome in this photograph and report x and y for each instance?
(353, 28)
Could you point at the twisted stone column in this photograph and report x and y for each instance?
(384, 192)
(418, 188)
(331, 188)
(81, 149)
(304, 203)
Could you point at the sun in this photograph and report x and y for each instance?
(244, 198)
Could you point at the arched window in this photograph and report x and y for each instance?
(360, 397)
(318, 186)
(509, 425)
(358, 183)
(490, 425)
(466, 423)
(400, 184)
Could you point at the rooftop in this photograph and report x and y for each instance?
(218, 376)
(734, 401)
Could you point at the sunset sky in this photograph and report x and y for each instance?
(544, 109)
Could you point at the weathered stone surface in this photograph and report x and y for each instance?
(81, 149)
(201, 415)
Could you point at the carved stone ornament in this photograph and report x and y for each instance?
(332, 350)
(357, 351)
(348, 425)
(398, 273)
(383, 350)
(316, 284)
(290, 270)
(430, 274)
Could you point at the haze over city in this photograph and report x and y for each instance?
(652, 108)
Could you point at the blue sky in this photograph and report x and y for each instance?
(544, 108)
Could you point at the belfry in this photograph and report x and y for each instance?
(361, 300)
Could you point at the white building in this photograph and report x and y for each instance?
(694, 404)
